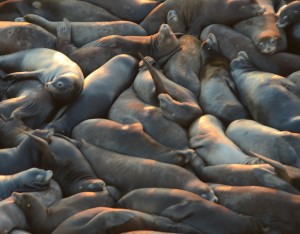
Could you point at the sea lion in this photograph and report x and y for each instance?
(263, 30)
(32, 179)
(190, 209)
(288, 14)
(282, 146)
(176, 24)
(196, 16)
(49, 218)
(128, 139)
(12, 217)
(218, 95)
(247, 175)
(54, 10)
(160, 46)
(208, 138)
(176, 102)
(130, 169)
(85, 32)
(258, 91)
(100, 89)
(61, 76)
(113, 220)
(163, 130)
(29, 101)
(31, 152)
(232, 42)
(278, 211)
(184, 66)
(16, 36)
(135, 10)
(293, 37)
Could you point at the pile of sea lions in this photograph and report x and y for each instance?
(145, 116)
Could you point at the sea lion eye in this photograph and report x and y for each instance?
(60, 84)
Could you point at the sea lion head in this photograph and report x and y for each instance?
(164, 42)
(34, 179)
(246, 8)
(288, 14)
(65, 88)
(268, 45)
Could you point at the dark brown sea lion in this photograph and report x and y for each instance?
(32, 179)
(124, 172)
(208, 138)
(85, 32)
(263, 30)
(232, 42)
(100, 90)
(188, 208)
(218, 95)
(162, 129)
(282, 146)
(277, 210)
(61, 76)
(196, 16)
(30, 101)
(160, 46)
(259, 91)
(128, 139)
(42, 219)
(111, 220)
(54, 10)
(132, 10)
(16, 36)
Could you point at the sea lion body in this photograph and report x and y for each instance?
(61, 76)
(288, 14)
(208, 138)
(85, 32)
(184, 66)
(30, 101)
(16, 36)
(188, 208)
(163, 130)
(54, 10)
(49, 218)
(259, 89)
(32, 179)
(277, 210)
(282, 146)
(196, 16)
(135, 10)
(96, 53)
(130, 169)
(113, 220)
(100, 90)
(218, 95)
(128, 139)
(232, 42)
(246, 175)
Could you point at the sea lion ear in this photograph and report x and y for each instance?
(212, 40)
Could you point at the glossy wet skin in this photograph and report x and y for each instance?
(288, 14)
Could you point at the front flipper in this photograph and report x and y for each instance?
(64, 36)
(20, 76)
(27, 110)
